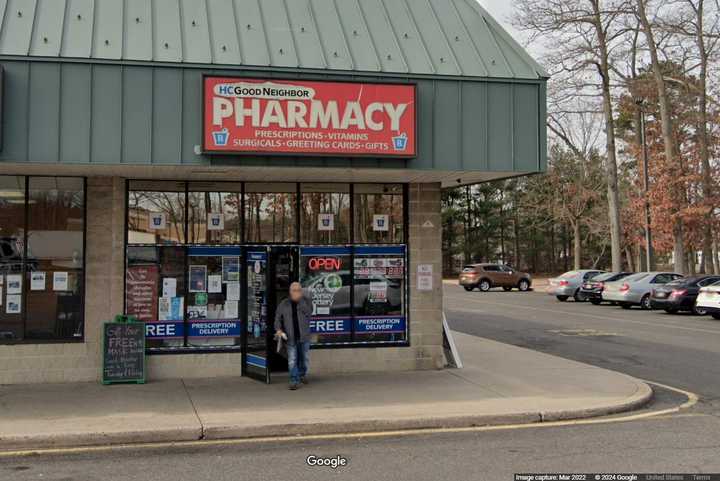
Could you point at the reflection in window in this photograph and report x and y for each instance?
(214, 213)
(379, 213)
(325, 215)
(270, 213)
(42, 262)
(156, 213)
(379, 294)
(55, 248)
(12, 238)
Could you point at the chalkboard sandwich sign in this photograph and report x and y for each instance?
(123, 351)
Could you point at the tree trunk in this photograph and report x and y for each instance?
(629, 256)
(707, 184)
(466, 237)
(611, 161)
(667, 127)
(577, 244)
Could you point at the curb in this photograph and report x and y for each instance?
(642, 396)
(78, 439)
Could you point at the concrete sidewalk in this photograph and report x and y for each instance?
(499, 384)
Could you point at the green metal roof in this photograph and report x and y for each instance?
(407, 37)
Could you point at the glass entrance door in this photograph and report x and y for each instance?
(269, 271)
(258, 330)
(283, 272)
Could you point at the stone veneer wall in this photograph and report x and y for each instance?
(104, 268)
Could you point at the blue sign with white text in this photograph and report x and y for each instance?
(380, 325)
(164, 330)
(217, 328)
(326, 325)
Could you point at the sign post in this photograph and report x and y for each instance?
(123, 351)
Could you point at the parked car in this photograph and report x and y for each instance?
(709, 300)
(635, 290)
(681, 294)
(487, 276)
(592, 289)
(568, 285)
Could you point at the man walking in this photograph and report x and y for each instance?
(292, 319)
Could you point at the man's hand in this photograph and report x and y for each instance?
(279, 333)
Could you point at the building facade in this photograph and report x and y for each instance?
(183, 161)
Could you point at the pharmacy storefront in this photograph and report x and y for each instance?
(185, 169)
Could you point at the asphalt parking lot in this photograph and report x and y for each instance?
(681, 350)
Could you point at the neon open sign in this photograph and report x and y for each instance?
(324, 264)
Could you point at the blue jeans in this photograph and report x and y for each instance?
(298, 360)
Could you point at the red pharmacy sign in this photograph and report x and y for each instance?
(298, 117)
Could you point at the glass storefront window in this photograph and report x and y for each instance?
(325, 214)
(379, 293)
(155, 292)
(270, 213)
(156, 212)
(214, 213)
(379, 213)
(42, 264)
(327, 282)
(213, 310)
(12, 238)
(183, 274)
(56, 216)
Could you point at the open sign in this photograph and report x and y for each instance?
(324, 264)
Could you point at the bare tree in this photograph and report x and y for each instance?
(666, 122)
(699, 40)
(582, 33)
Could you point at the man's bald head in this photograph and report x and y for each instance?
(296, 292)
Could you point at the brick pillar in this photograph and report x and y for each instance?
(104, 268)
(425, 242)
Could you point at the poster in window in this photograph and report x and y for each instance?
(233, 291)
(37, 281)
(326, 222)
(169, 287)
(14, 284)
(377, 292)
(381, 223)
(60, 281)
(141, 292)
(197, 312)
(231, 310)
(215, 284)
(13, 304)
(231, 269)
(198, 279)
(216, 221)
(157, 220)
(170, 308)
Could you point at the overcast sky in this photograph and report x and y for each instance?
(502, 11)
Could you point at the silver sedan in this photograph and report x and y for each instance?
(569, 284)
(635, 290)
